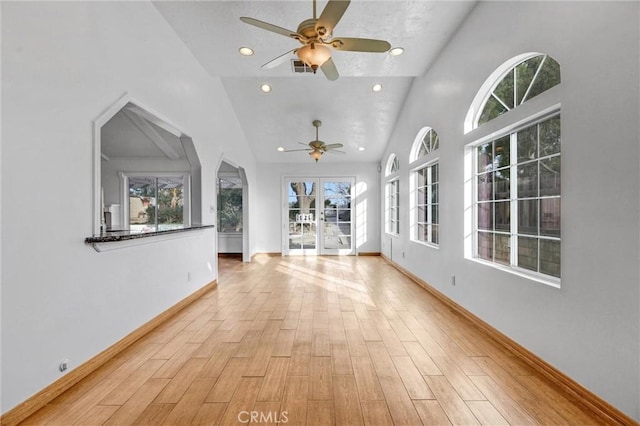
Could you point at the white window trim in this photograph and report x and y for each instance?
(417, 143)
(470, 187)
(387, 170)
(487, 88)
(387, 186)
(420, 164)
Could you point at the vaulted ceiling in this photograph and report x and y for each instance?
(351, 113)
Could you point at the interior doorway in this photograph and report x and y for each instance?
(232, 212)
(318, 216)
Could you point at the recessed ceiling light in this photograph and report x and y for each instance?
(361, 148)
(265, 88)
(396, 51)
(376, 87)
(280, 149)
(245, 51)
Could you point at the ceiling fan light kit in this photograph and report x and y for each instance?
(316, 154)
(317, 148)
(315, 35)
(314, 55)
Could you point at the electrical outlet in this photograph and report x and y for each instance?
(64, 365)
(403, 255)
(453, 280)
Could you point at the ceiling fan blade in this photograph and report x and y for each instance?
(330, 16)
(333, 146)
(295, 150)
(360, 44)
(270, 27)
(329, 69)
(279, 60)
(335, 151)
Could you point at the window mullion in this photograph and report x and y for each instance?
(533, 79)
(427, 203)
(513, 198)
(538, 195)
(501, 102)
(515, 86)
(155, 208)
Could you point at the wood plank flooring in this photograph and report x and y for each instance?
(316, 341)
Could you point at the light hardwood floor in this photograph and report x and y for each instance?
(317, 341)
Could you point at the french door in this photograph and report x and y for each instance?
(318, 216)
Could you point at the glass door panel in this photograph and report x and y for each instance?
(302, 229)
(337, 229)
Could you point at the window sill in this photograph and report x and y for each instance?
(113, 240)
(426, 244)
(532, 276)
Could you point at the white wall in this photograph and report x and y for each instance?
(268, 218)
(64, 64)
(589, 329)
(229, 242)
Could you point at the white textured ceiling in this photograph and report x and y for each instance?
(350, 112)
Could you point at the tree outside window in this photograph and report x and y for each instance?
(156, 203)
(229, 204)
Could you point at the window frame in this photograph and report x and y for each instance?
(419, 141)
(428, 205)
(417, 163)
(485, 92)
(224, 176)
(392, 225)
(392, 182)
(186, 191)
(471, 185)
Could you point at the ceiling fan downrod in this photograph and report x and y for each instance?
(316, 124)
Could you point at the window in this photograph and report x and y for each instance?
(512, 174)
(393, 207)
(427, 204)
(229, 204)
(512, 84)
(156, 203)
(393, 165)
(426, 143)
(517, 198)
(425, 187)
(392, 195)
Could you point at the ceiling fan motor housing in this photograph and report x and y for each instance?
(307, 28)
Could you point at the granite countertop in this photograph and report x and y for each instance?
(124, 235)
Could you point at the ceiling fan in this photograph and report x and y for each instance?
(316, 147)
(315, 35)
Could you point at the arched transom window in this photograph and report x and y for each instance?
(426, 142)
(512, 84)
(393, 165)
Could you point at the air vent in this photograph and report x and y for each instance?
(299, 66)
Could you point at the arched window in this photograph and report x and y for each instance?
(392, 195)
(425, 202)
(512, 84)
(392, 165)
(512, 174)
(425, 143)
